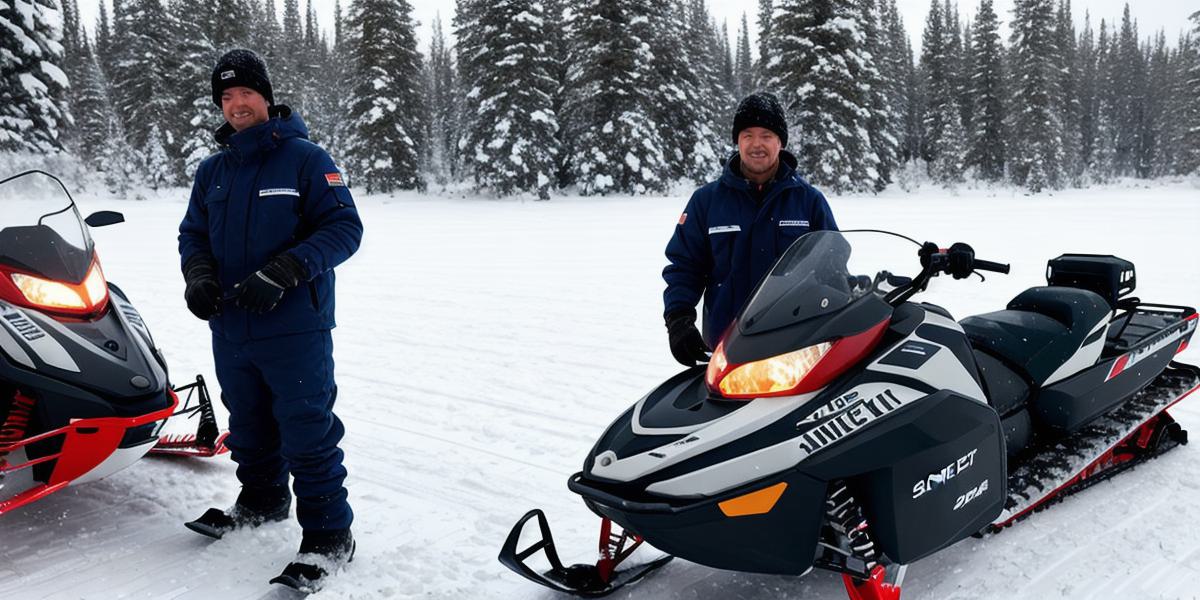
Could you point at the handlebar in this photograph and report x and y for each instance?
(987, 265)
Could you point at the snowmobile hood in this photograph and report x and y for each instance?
(249, 143)
(786, 175)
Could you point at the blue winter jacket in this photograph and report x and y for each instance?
(726, 242)
(270, 190)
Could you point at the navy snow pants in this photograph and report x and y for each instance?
(280, 394)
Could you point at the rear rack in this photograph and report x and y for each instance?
(1139, 320)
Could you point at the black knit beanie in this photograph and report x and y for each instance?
(241, 68)
(760, 109)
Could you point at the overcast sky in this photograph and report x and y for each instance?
(1171, 15)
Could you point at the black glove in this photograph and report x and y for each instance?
(687, 346)
(261, 291)
(203, 291)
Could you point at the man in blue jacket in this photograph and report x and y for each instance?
(734, 229)
(269, 218)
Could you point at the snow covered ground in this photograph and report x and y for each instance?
(482, 347)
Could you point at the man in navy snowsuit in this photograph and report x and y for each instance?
(269, 218)
(734, 229)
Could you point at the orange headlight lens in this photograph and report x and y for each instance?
(771, 375)
(47, 293)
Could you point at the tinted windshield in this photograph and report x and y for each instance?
(40, 230)
(824, 271)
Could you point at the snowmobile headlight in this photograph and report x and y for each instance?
(95, 286)
(51, 294)
(85, 296)
(773, 376)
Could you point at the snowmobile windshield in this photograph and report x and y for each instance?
(41, 232)
(824, 271)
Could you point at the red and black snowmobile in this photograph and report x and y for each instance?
(841, 425)
(84, 390)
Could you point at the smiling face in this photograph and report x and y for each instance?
(759, 149)
(243, 107)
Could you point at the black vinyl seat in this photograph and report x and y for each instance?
(1041, 329)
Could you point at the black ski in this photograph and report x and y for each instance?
(583, 580)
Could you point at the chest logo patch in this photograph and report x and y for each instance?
(724, 229)
(334, 180)
(793, 223)
(278, 192)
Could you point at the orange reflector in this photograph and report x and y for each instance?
(755, 503)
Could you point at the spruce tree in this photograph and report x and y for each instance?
(885, 125)
(142, 82)
(509, 135)
(1129, 80)
(1156, 155)
(701, 48)
(900, 76)
(615, 146)
(194, 117)
(287, 74)
(940, 88)
(1102, 167)
(560, 16)
(1036, 153)
(93, 109)
(386, 132)
(743, 64)
(1189, 116)
(986, 147)
(766, 14)
(686, 111)
(442, 98)
(819, 65)
(33, 103)
(1086, 67)
(1068, 94)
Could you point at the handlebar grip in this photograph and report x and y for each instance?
(987, 265)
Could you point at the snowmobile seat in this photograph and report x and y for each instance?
(1040, 330)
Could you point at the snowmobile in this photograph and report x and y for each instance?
(84, 390)
(842, 425)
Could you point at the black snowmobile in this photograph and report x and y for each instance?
(842, 425)
(84, 390)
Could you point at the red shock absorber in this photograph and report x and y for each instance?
(16, 423)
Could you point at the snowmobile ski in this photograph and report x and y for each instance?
(1139, 430)
(208, 441)
(584, 580)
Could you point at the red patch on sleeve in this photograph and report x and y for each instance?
(682, 218)
(334, 179)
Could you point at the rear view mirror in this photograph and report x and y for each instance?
(104, 217)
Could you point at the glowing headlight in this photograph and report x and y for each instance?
(770, 376)
(97, 289)
(47, 293)
(54, 294)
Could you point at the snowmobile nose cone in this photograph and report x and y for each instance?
(139, 382)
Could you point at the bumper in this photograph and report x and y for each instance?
(91, 449)
(777, 536)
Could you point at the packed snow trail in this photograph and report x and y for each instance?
(483, 346)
